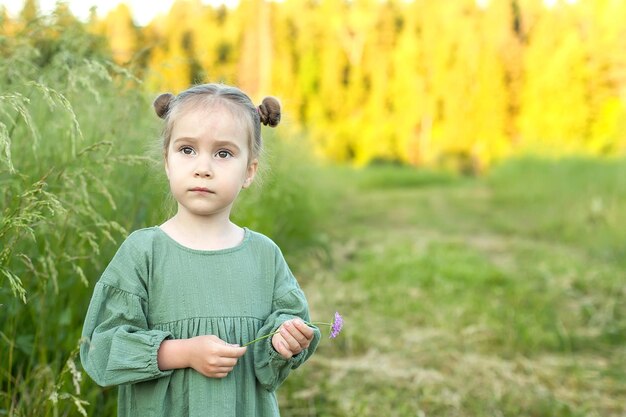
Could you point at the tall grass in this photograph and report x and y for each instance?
(76, 175)
(54, 200)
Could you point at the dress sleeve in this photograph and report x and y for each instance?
(289, 302)
(117, 346)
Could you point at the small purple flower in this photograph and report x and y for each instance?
(335, 328)
(336, 325)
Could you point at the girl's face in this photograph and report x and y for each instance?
(207, 160)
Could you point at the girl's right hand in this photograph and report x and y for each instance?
(213, 357)
(209, 355)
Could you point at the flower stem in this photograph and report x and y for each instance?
(273, 333)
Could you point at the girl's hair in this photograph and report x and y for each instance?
(168, 107)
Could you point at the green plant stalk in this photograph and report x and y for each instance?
(9, 382)
(311, 324)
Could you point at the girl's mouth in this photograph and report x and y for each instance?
(201, 190)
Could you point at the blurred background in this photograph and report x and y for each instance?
(449, 175)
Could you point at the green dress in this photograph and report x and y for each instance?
(156, 289)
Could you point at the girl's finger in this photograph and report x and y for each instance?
(228, 362)
(284, 350)
(299, 337)
(291, 342)
(306, 331)
(302, 336)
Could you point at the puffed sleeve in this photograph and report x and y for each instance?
(289, 302)
(117, 345)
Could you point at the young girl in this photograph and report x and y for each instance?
(172, 310)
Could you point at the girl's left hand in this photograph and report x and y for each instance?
(293, 337)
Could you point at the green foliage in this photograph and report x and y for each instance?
(292, 193)
(61, 161)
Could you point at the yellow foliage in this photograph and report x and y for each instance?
(119, 29)
(424, 82)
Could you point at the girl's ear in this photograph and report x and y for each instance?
(250, 173)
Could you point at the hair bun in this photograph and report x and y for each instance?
(162, 104)
(269, 111)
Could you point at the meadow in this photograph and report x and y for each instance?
(498, 295)
(503, 295)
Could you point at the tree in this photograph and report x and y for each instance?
(554, 111)
(120, 30)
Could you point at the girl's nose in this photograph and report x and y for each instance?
(203, 168)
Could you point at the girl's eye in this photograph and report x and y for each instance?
(187, 150)
(223, 154)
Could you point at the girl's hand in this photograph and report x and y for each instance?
(293, 336)
(213, 357)
(209, 355)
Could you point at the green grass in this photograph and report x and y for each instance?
(501, 295)
(395, 176)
